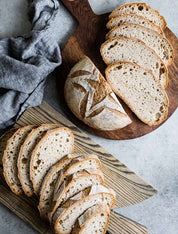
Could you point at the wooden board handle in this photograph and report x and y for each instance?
(79, 9)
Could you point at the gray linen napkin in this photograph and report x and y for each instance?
(26, 61)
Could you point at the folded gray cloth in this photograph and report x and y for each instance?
(26, 61)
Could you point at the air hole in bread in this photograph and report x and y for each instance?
(24, 160)
(140, 8)
(161, 109)
(112, 46)
(161, 71)
(38, 162)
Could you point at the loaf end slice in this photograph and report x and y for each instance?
(140, 8)
(140, 90)
(91, 99)
(54, 145)
(10, 158)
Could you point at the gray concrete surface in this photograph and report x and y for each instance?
(154, 157)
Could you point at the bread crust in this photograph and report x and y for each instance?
(81, 201)
(159, 30)
(5, 137)
(135, 40)
(30, 127)
(39, 143)
(164, 24)
(20, 176)
(150, 30)
(167, 100)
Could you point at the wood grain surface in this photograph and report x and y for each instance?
(87, 40)
(129, 187)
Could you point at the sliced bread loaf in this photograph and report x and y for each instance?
(85, 162)
(54, 145)
(90, 98)
(150, 37)
(140, 91)
(3, 141)
(25, 155)
(135, 19)
(66, 215)
(48, 185)
(140, 8)
(10, 157)
(93, 220)
(135, 51)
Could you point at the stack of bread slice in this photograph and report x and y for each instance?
(137, 54)
(41, 160)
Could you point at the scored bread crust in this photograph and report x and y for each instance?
(162, 19)
(81, 201)
(167, 100)
(90, 215)
(36, 133)
(32, 176)
(3, 141)
(91, 100)
(67, 172)
(50, 177)
(149, 24)
(18, 190)
(139, 41)
(161, 39)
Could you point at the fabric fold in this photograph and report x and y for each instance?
(26, 61)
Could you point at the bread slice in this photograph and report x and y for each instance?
(140, 91)
(150, 37)
(10, 157)
(74, 184)
(25, 155)
(66, 215)
(48, 185)
(142, 9)
(3, 141)
(134, 19)
(135, 51)
(93, 220)
(91, 99)
(54, 145)
(90, 163)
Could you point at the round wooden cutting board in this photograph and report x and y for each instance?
(87, 40)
